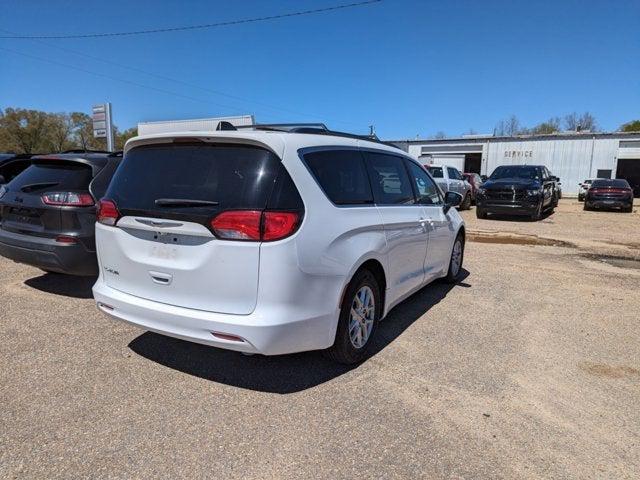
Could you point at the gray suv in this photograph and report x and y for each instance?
(449, 179)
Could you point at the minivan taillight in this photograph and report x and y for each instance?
(107, 213)
(238, 225)
(254, 225)
(68, 199)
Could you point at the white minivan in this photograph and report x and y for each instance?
(272, 239)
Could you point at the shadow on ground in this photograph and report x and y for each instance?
(287, 373)
(65, 285)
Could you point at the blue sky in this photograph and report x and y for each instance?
(408, 67)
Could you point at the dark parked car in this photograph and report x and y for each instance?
(517, 190)
(11, 165)
(616, 193)
(475, 181)
(47, 212)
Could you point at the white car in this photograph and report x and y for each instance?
(583, 187)
(449, 179)
(269, 240)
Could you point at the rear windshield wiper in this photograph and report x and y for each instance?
(34, 186)
(184, 202)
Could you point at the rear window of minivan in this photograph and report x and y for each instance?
(233, 176)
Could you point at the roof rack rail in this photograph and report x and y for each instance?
(313, 128)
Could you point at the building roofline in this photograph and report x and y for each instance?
(549, 136)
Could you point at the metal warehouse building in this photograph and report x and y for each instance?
(573, 157)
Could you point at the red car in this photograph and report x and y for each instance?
(475, 181)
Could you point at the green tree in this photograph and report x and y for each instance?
(26, 131)
(60, 128)
(82, 133)
(550, 126)
(122, 137)
(632, 126)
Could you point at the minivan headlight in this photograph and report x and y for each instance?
(533, 193)
(482, 190)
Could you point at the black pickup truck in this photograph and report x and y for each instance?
(517, 190)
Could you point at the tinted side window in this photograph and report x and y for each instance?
(389, 179)
(426, 189)
(342, 176)
(436, 172)
(285, 195)
(453, 174)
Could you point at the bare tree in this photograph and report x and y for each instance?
(440, 135)
(576, 122)
(512, 126)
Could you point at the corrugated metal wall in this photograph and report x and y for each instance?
(573, 160)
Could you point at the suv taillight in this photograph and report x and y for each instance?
(254, 225)
(68, 199)
(107, 213)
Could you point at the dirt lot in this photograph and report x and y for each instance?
(529, 368)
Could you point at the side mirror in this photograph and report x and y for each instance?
(451, 199)
(484, 178)
(2, 180)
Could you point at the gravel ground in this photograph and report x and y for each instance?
(529, 368)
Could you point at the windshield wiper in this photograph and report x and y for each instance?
(184, 202)
(33, 186)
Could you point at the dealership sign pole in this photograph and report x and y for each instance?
(102, 124)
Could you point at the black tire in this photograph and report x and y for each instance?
(580, 198)
(537, 215)
(453, 275)
(343, 351)
(628, 209)
(586, 207)
(466, 202)
(480, 213)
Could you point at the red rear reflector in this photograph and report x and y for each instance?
(68, 199)
(66, 239)
(279, 225)
(238, 225)
(225, 336)
(107, 213)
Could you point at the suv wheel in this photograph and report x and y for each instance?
(455, 263)
(359, 315)
(466, 203)
(480, 213)
(537, 215)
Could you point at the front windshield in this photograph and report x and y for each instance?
(514, 171)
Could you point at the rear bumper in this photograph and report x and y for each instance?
(47, 254)
(268, 331)
(608, 203)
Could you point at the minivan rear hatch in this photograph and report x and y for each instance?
(163, 248)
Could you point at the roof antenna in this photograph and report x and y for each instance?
(372, 131)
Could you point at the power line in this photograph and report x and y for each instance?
(234, 109)
(116, 79)
(195, 27)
